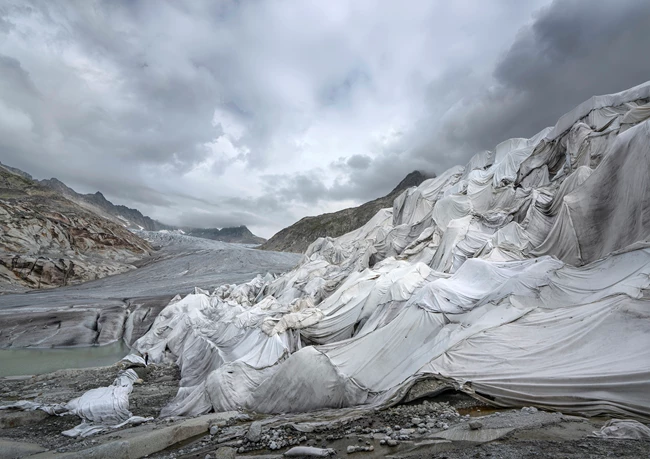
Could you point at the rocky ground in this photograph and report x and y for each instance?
(428, 429)
(451, 425)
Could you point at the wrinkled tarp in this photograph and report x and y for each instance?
(522, 277)
(628, 429)
(100, 409)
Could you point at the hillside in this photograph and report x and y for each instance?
(297, 237)
(46, 240)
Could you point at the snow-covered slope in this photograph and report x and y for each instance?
(522, 278)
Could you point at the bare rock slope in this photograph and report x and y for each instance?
(46, 240)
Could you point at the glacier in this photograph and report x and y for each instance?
(521, 278)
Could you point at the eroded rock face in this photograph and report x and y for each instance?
(48, 241)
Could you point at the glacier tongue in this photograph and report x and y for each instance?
(522, 277)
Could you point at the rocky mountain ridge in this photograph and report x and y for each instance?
(297, 237)
(96, 202)
(133, 219)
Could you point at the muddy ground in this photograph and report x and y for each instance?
(449, 425)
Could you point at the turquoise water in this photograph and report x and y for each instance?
(14, 362)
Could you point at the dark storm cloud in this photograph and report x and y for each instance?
(573, 50)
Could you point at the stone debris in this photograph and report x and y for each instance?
(307, 451)
(254, 431)
(475, 425)
(358, 448)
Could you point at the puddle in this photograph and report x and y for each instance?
(30, 361)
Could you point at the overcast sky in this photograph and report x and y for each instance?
(221, 113)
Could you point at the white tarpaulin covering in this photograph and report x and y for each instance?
(100, 409)
(523, 277)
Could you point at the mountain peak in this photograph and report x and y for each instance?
(412, 179)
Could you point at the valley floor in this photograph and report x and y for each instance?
(449, 425)
(96, 312)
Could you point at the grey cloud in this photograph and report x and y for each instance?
(360, 184)
(216, 219)
(574, 49)
(263, 215)
(340, 91)
(306, 187)
(15, 79)
(380, 178)
(359, 161)
(164, 112)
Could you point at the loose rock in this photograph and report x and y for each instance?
(475, 425)
(357, 448)
(254, 431)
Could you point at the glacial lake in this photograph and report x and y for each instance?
(34, 361)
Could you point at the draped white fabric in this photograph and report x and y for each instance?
(523, 277)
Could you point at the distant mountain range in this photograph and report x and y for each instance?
(237, 234)
(297, 237)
